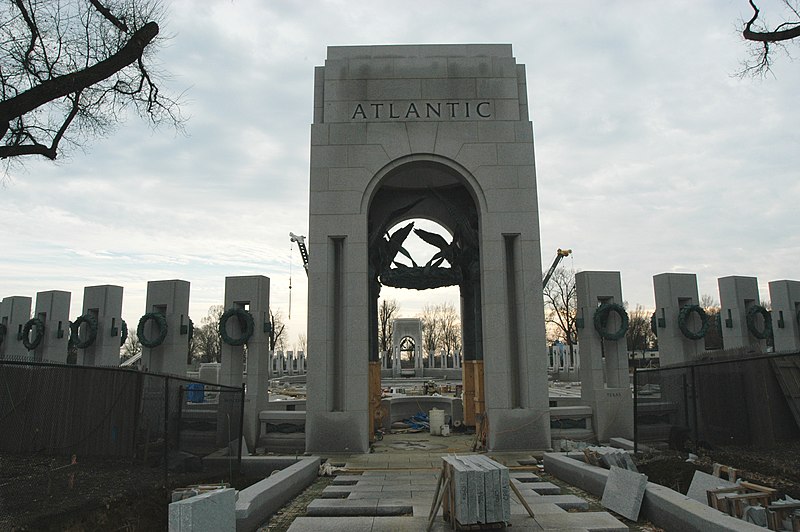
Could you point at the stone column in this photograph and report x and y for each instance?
(104, 304)
(396, 362)
(171, 300)
(301, 357)
(605, 384)
(15, 311)
(52, 307)
(209, 372)
(673, 292)
(737, 295)
(785, 298)
(250, 293)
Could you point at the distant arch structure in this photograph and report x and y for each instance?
(439, 132)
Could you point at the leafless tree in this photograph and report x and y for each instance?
(431, 329)
(560, 306)
(302, 343)
(763, 38)
(206, 342)
(388, 310)
(132, 345)
(276, 337)
(70, 68)
(451, 329)
(713, 337)
(441, 328)
(639, 336)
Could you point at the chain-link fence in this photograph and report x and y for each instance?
(70, 433)
(753, 401)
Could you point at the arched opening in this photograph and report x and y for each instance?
(408, 352)
(434, 204)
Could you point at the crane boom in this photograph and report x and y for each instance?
(560, 254)
(301, 244)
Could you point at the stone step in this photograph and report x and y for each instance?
(567, 502)
(541, 488)
(357, 507)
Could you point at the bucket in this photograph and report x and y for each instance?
(445, 430)
(436, 418)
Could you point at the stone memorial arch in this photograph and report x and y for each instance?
(439, 132)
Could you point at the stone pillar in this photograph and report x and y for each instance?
(170, 299)
(396, 362)
(250, 293)
(52, 307)
(301, 357)
(737, 295)
(785, 299)
(15, 311)
(104, 304)
(674, 291)
(605, 384)
(209, 372)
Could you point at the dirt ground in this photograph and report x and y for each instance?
(777, 468)
(45, 493)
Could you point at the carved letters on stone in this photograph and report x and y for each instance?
(431, 110)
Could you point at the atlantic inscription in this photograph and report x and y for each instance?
(422, 110)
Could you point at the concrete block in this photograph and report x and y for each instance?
(52, 307)
(214, 511)
(702, 482)
(737, 294)
(785, 299)
(15, 311)
(624, 492)
(104, 303)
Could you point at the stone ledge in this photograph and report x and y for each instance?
(661, 506)
(256, 503)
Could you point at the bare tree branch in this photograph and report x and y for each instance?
(769, 36)
(70, 68)
(110, 16)
(69, 83)
(764, 40)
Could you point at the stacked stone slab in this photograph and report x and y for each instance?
(674, 291)
(605, 383)
(785, 298)
(52, 307)
(169, 298)
(104, 304)
(737, 294)
(250, 293)
(15, 311)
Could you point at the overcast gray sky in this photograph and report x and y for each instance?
(651, 155)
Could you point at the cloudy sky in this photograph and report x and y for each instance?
(651, 155)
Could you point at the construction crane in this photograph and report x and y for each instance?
(301, 244)
(560, 254)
